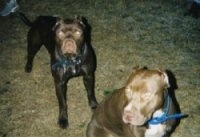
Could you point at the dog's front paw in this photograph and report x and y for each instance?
(63, 122)
(93, 105)
(28, 68)
(63, 119)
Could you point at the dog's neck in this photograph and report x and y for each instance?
(156, 126)
(166, 115)
(64, 62)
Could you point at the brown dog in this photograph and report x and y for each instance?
(67, 42)
(129, 111)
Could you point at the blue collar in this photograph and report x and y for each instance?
(166, 116)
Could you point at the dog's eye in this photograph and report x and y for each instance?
(78, 32)
(129, 93)
(61, 34)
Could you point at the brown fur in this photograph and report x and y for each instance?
(127, 111)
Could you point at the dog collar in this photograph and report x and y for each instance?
(64, 62)
(166, 116)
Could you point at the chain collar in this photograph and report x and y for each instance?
(67, 62)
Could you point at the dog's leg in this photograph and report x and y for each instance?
(61, 89)
(89, 82)
(94, 131)
(34, 45)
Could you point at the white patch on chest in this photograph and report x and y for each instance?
(157, 130)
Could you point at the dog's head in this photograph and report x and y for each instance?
(145, 93)
(69, 34)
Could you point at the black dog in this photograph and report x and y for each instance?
(68, 44)
(193, 8)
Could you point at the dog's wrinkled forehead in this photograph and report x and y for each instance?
(77, 20)
(144, 77)
(69, 24)
(146, 82)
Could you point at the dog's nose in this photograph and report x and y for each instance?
(69, 43)
(69, 47)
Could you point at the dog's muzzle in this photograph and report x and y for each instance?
(69, 47)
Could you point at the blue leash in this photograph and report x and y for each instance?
(165, 117)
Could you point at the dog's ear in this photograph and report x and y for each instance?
(139, 68)
(136, 67)
(165, 79)
(58, 22)
(80, 20)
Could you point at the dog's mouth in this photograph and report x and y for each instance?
(69, 48)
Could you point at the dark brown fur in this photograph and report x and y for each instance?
(193, 9)
(67, 42)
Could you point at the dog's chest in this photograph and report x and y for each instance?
(66, 70)
(157, 130)
(72, 70)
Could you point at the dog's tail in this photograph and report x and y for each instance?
(25, 19)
